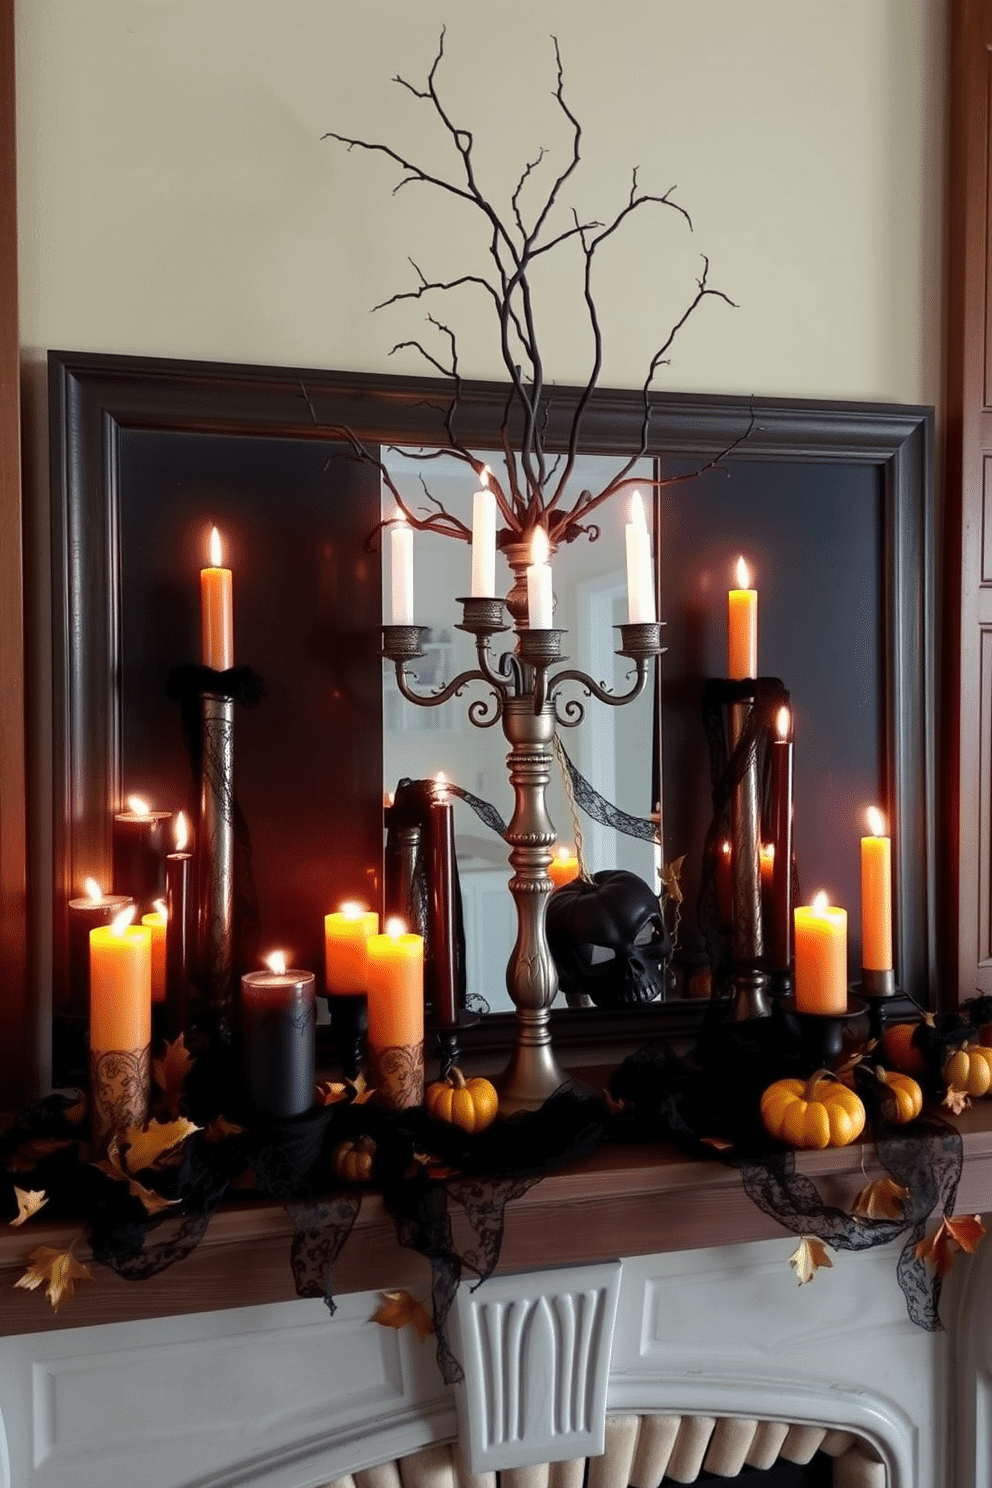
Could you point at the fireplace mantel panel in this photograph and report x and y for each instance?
(619, 1201)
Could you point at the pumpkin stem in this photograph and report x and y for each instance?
(456, 1078)
(816, 1080)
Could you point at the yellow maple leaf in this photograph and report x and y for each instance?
(401, 1310)
(882, 1199)
(29, 1201)
(332, 1092)
(59, 1268)
(956, 1100)
(952, 1235)
(170, 1074)
(154, 1145)
(671, 879)
(810, 1254)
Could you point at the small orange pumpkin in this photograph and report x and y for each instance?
(470, 1104)
(906, 1096)
(814, 1113)
(970, 1069)
(353, 1159)
(899, 1049)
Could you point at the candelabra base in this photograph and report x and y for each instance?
(749, 998)
(533, 1073)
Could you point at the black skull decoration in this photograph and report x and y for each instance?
(609, 939)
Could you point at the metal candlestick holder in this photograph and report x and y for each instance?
(820, 1035)
(879, 991)
(750, 981)
(216, 862)
(523, 696)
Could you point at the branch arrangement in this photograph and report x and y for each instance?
(535, 489)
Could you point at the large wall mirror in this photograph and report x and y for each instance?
(831, 502)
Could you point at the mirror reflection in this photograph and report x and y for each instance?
(613, 747)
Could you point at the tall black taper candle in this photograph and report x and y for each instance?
(780, 791)
(441, 935)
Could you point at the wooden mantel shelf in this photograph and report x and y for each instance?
(620, 1201)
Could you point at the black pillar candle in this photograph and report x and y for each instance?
(138, 841)
(441, 933)
(84, 916)
(278, 1016)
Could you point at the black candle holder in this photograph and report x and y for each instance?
(820, 1035)
(349, 1012)
(447, 1039)
(879, 991)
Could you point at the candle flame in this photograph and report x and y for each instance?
(783, 722)
(539, 548)
(93, 890)
(400, 519)
(352, 910)
(138, 805)
(743, 574)
(637, 516)
(181, 831)
(820, 902)
(395, 927)
(387, 798)
(876, 821)
(216, 549)
(768, 852)
(276, 962)
(161, 908)
(563, 855)
(120, 924)
(484, 475)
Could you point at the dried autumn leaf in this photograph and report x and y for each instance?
(331, 1092)
(810, 1254)
(400, 1310)
(153, 1146)
(956, 1100)
(59, 1268)
(220, 1128)
(114, 1166)
(170, 1073)
(882, 1199)
(671, 879)
(719, 1144)
(29, 1201)
(951, 1236)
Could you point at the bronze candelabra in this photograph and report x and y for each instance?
(523, 695)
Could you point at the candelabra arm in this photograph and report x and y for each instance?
(483, 712)
(597, 690)
(507, 675)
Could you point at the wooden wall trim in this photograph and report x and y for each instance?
(13, 878)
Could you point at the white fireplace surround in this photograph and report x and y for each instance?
(284, 1396)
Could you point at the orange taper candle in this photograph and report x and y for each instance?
(217, 609)
(742, 627)
(346, 936)
(876, 895)
(821, 957)
(396, 1015)
(157, 921)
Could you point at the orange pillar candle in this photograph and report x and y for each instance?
(217, 609)
(396, 1015)
(563, 868)
(157, 921)
(742, 627)
(876, 895)
(346, 935)
(821, 957)
(120, 1025)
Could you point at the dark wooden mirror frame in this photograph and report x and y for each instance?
(94, 397)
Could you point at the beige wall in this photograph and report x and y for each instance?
(176, 198)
